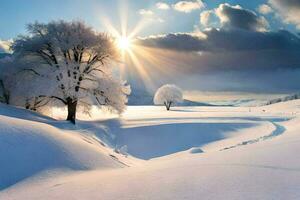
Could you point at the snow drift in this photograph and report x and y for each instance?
(28, 147)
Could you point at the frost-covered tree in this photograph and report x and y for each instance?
(168, 95)
(68, 63)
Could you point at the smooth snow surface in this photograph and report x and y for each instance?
(186, 153)
(29, 147)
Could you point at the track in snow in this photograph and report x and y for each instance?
(279, 130)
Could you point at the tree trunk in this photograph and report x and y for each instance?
(5, 92)
(168, 105)
(72, 105)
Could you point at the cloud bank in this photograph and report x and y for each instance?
(224, 40)
(237, 17)
(241, 53)
(239, 40)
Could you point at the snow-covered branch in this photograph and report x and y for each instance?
(70, 63)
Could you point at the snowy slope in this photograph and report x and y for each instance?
(284, 99)
(28, 146)
(194, 152)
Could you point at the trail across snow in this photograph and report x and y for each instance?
(278, 131)
(175, 155)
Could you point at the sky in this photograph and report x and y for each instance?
(15, 14)
(207, 45)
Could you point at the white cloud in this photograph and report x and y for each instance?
(265, 9)
(223, 16)
(150, 16)
(287, 10)
(238, 17)
(5, 46)
(188, 6)
(205, 17)
(162, 6)
(145, 12)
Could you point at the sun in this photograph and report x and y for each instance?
(123, 43)
(133, 56)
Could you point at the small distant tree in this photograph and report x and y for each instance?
(168, 95)
(69, 64)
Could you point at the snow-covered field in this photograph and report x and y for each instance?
(187, 153)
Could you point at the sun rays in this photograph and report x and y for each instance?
(146, 63)
(123, 43)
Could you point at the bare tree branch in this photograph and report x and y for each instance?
(54, 97)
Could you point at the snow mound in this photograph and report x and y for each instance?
(29, 147)
(196, 150)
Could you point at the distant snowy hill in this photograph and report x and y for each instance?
(142, 97)
(284, 99)
(255, 102)
(193, 103)
(148, 100)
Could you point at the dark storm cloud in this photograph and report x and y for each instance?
(174, 41)
(239, 40)
(237, 17)
(227, 50)
(240, 55)
(242, 30)
(218, 40)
